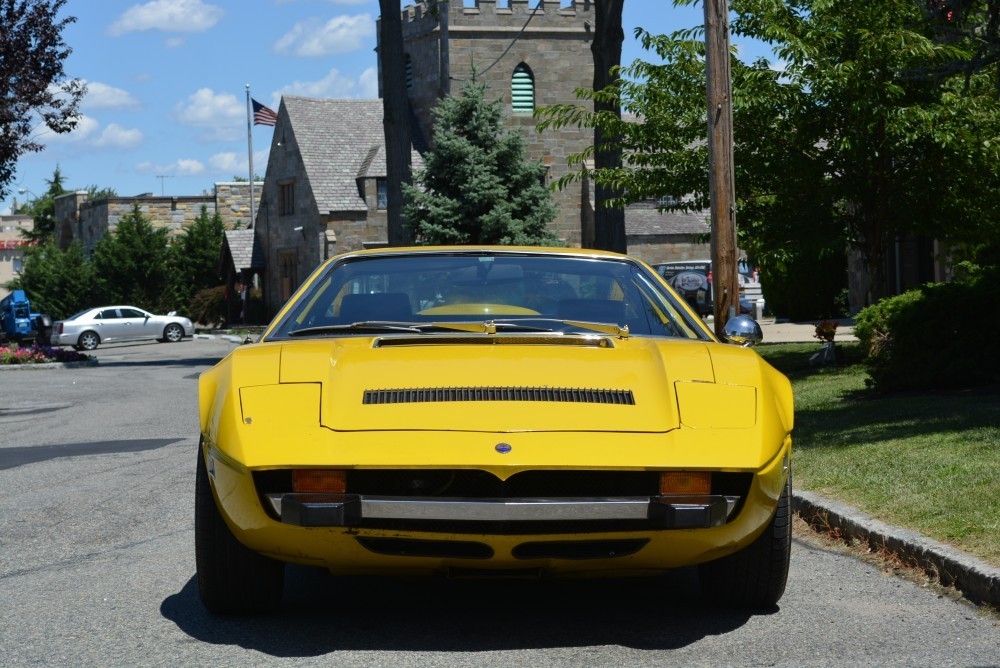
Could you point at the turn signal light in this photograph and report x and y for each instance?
(329, 481)
(686, 482)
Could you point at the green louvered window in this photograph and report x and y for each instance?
(522, 89)
(409, 72)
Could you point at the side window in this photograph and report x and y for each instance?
(522, 89)
(108, 314)
(132, 313)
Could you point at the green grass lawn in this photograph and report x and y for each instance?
(926, 461)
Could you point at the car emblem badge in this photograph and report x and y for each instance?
(502, 448)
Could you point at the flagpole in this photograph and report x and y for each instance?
(250, 152)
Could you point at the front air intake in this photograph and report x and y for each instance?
(417, 395)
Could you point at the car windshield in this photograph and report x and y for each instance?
(485, 292)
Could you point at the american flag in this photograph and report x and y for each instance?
(262, 115)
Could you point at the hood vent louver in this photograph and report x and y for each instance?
(463, 394)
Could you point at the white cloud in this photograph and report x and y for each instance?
(168, 16)
(236, 164)
(182, 167)
(313, 39)
(228, 161)
(115, 136)
(335, 85)
(221, 115)
(175, 42)
(102, 96)
(86, 128)
(368, 83)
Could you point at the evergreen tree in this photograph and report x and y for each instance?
(130, 264)
(194, 258)
(476, 187)
(59, 283)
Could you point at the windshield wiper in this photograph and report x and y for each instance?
(363, 326)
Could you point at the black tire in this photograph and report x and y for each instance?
(172, 333)
(232, 579)
(88, 341)
(755, 576)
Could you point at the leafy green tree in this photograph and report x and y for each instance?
(842, 146)
(130, 264)
(194, 258)
(95, 192)
(58, 283)
(33, 89)
(476, 187)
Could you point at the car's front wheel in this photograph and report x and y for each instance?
(232, 579)
(172, 333)
(88, 341)
(755, 576)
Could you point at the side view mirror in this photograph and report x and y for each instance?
(743, 331)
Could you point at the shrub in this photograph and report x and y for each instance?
(937, 336)
(208, 306)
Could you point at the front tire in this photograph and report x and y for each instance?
(88, 341)
(755, 576)
(232, 579)
(173, 333)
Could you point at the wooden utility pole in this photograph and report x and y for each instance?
(721, 183)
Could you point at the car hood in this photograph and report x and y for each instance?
(503, 384)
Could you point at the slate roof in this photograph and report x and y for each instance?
(339, 141)
(243, 249)
(642, 219)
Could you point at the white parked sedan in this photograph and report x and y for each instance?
(88, 329)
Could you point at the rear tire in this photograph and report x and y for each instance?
(755, 576)
(88, 341)
(232, 579)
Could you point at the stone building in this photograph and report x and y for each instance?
(324, 191)
(80, 219)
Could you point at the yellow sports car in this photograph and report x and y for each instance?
(492, 412)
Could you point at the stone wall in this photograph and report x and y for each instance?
(79, 219)
(658, 248)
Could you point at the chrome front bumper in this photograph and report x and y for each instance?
(343, 510)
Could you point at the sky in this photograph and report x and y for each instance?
(165, 111)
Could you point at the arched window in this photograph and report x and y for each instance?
(522, 89)
(409, 71)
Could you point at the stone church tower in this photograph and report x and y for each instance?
(529, 56)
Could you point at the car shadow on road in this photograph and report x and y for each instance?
(324, 614)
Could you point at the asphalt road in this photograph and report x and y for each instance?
(97, 567)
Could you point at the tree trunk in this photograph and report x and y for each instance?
(607, 50)
(395, 118)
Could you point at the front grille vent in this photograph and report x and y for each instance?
(418, 395)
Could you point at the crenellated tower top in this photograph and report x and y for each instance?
(501, 15)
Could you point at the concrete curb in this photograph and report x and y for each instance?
(48, 365)
(977, 580)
